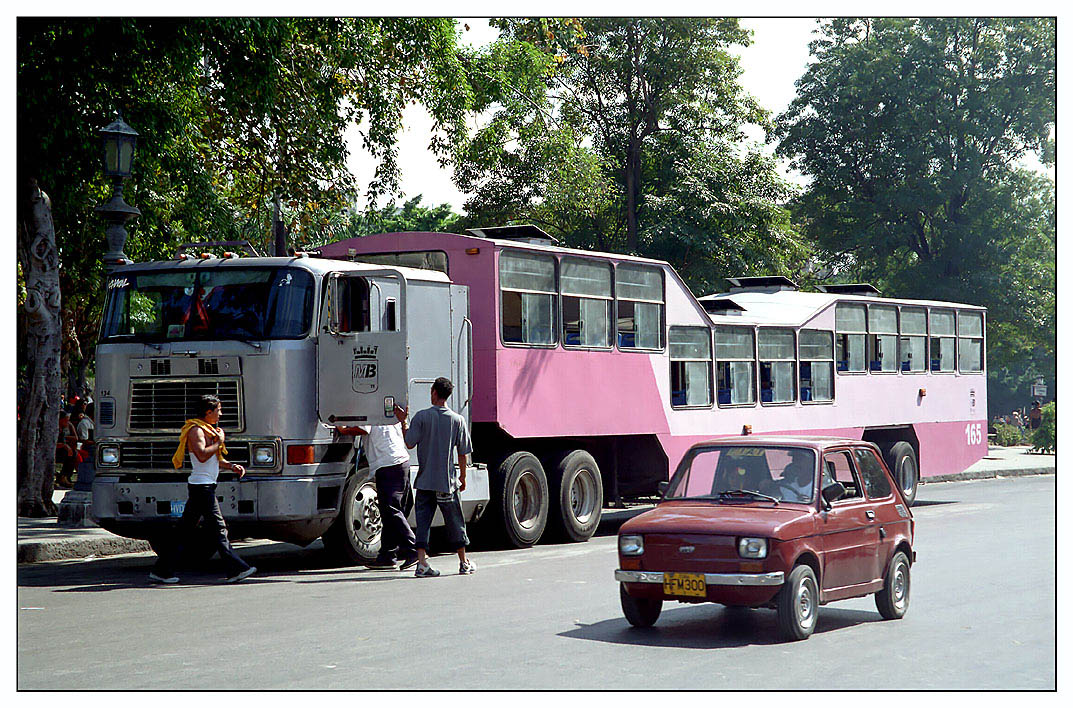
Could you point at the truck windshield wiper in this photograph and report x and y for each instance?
(731, 493)
(255, 345)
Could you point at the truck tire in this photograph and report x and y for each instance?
(520, 499)
(903, 466)
(577, 496)
(354, 536)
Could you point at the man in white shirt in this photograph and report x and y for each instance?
(389, 460)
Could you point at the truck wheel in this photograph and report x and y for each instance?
(903, 465)
(893, 600)
(639, 611)
(798, 604)
(577, 496)
(520, 496)
(354, 537)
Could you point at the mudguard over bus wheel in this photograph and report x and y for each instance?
(354, 537)
(577, 496)
(902, 462)
(519, 504)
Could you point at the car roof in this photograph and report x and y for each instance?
(817, 442)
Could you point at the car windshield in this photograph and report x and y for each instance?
(730, 473)
(210, 303)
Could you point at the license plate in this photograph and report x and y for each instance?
(177, 508)
(687, 584)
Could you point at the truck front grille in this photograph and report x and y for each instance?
(156, 454)
(163, 405)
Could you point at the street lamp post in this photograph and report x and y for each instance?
(119, 140)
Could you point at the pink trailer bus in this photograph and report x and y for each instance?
(595, 372)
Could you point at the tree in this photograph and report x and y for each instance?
(411, 216)
(911, 131)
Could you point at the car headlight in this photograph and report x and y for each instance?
(631, 545)
(109, 455)
(752, 547)
(263, 455)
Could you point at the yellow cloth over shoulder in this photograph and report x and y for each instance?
(180, 453)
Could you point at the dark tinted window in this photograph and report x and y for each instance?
(876, 484)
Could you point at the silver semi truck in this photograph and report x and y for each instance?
(292, 347)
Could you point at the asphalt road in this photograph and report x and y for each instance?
(982, 616)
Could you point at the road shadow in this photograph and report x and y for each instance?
(711, 627)
(932, 502)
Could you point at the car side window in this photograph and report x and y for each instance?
(876, 484)
(838, 468)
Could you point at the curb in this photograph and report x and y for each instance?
(989, 474)
(37, 551)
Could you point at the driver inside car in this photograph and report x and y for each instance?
(796, 482)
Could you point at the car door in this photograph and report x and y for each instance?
(879, 491)
(848, 530)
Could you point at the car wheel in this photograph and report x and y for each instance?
(354, 536)
(639, 611)
(577, 497)
(893, 600)
(903, 465)
(798, 604)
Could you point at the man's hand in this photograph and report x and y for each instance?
(401, 413)
(220, 435)
(238, 470)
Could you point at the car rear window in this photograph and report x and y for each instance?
(876, 484)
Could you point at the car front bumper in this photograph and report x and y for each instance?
(733, 579)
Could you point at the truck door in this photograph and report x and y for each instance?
(361, 348)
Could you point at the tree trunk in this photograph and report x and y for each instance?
(39, 422)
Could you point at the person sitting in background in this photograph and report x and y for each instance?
(84, 430)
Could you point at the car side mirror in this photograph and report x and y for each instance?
(662, 487)
(832, 493)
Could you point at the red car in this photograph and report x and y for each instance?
(789, 523)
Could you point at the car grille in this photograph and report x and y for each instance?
(156, 454)
(164, 405)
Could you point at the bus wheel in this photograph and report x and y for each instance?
(903, 463)
(354, 537)
(577, 496)
(520, 495)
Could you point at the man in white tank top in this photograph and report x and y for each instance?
(206, 444)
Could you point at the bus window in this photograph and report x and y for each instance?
(849, 339)
(777, 364)
(914, 334)
(527, 298)
(942, 340)
(691, 366)
(736, 366)
(585, 287)
(970, 342)
(817, 366)
(639, 290)
(882, 338)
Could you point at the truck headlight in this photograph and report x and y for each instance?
(752, 547)
(108, 455)
(263, 455)
(631, 545)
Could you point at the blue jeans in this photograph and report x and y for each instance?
(425, 503)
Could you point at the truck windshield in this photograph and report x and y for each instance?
(218, 303)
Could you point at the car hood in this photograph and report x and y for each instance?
(750, 519)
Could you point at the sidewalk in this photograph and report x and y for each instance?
(43, 540)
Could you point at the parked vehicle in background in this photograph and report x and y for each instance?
(789, 523)
(596, 372)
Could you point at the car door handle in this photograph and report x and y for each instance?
(870, 514)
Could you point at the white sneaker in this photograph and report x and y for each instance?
(426, 571)
(467, 568)
(170, 580)
(243, 575)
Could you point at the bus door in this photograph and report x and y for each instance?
(361, 348)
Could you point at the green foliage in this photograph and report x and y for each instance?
(911, 130)
(1007, 435)
(411, 216)
(1045, 437)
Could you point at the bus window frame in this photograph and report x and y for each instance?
(834, 385)
(796, 373)
(612, 319)
(925, 336)
(863, 333)
(715, 366)
(972, 337)
(662, 309)
(711, 367)
(554, 306)
(869, 342)
(949, 372)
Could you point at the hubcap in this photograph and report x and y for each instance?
(583, 495)
(901, 585)
(908, 475)
(806, 602)
(527, 500)
(366, 516)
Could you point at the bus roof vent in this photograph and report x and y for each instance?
(525, 233)
(850, 289)
(762, 283)
(721, 306)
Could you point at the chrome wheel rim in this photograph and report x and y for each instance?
(526, 500)
(900, 586)
(805, 602)
(365, 515)
(583, 495)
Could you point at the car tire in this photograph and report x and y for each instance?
(520, 499)
(798, 604)
(893, 600)
(639, 611)
(902, 461)
(354, 536)
(577, 496)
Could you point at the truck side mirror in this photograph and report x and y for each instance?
(662, 487)
(832, 493)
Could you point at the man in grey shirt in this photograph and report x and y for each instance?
(437, 432)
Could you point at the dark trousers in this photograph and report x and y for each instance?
(396, 538)
(201, 502)
(450, 506)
